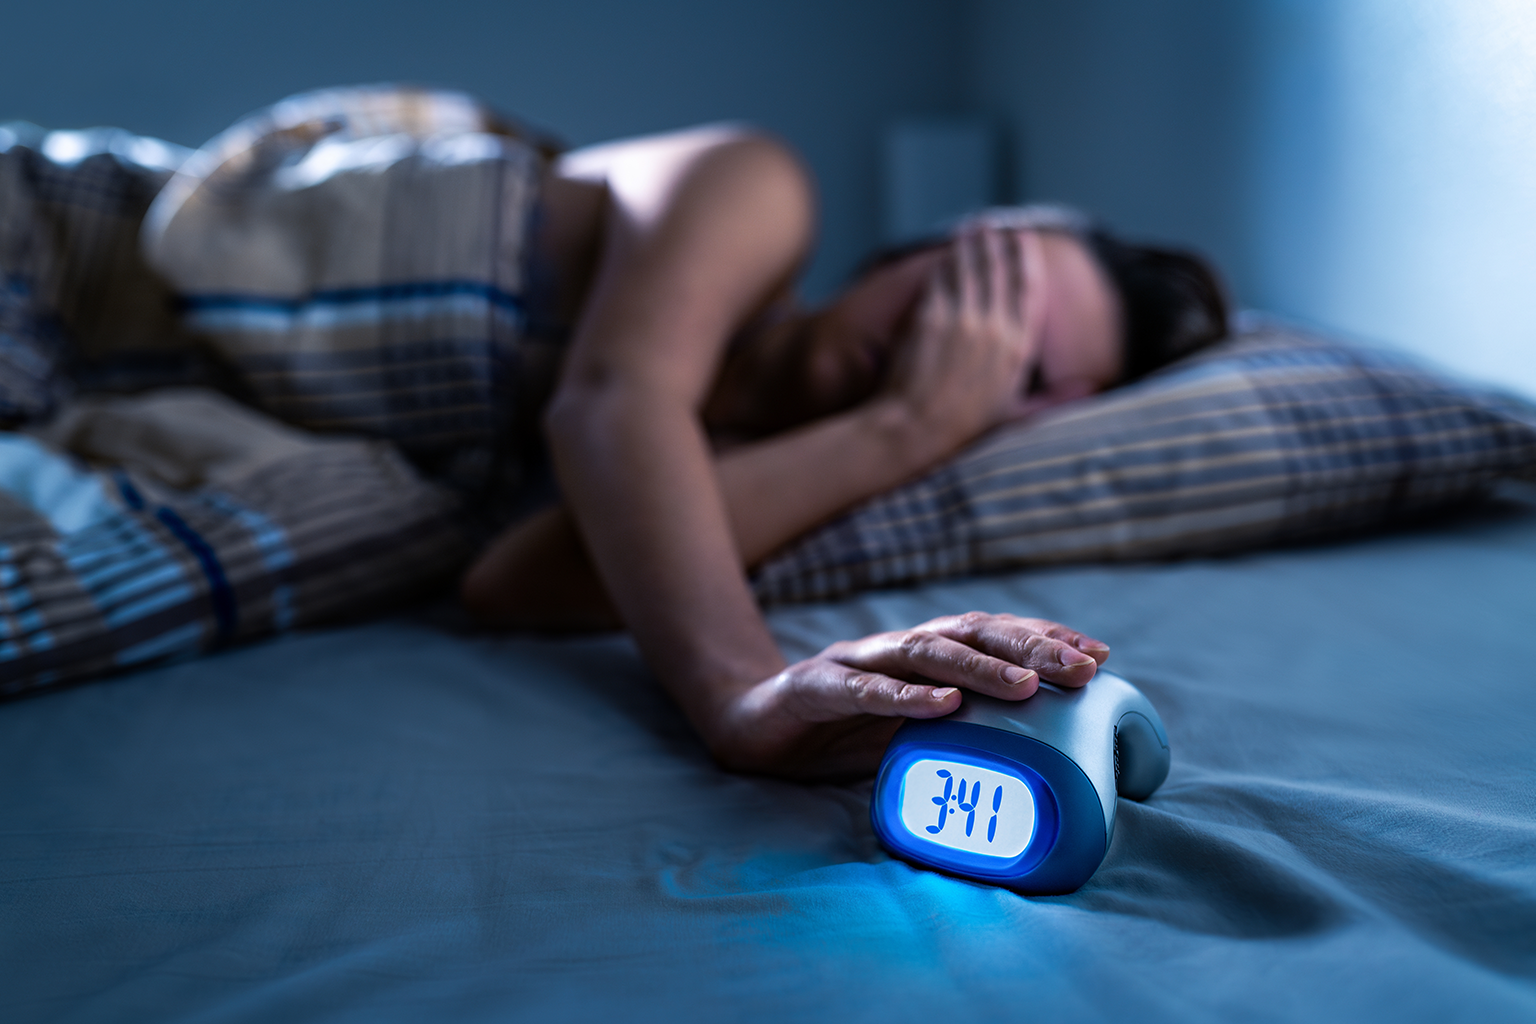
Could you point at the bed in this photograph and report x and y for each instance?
(410, 820)
(406, 819)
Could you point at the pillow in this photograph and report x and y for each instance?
(1272, 436)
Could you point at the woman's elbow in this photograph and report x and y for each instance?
(593, 409)
(580, 413)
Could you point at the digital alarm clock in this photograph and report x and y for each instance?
(1020, 793)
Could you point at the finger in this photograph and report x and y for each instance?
(968, 273)
(936, 312)
(930, 310)
(1098, 650)
(1001, 296)
(825, 690)
(1029, 643)
(924, 655)
(1015, 276)
(1033, 299)
(1034, 290)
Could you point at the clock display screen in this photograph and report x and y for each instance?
(967, 807)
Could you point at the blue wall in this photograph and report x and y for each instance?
(1364, 164)
(1133, 110)
(826, 75)
(1395, 193)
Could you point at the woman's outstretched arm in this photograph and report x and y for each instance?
(537, 573)
(700, 232)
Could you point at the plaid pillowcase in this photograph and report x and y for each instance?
(1273, 436)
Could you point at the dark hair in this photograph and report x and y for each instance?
(1172, 302)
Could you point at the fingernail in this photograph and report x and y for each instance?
(1017, 675)
(1092, 645)
(1073, 659)
(942, 692)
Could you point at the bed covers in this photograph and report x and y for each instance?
(404, 821)
(332, 232)
(360, 257)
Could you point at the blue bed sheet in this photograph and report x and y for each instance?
(405, 821)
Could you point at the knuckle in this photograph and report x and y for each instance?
(974, 621)
(913, 643)
(1035, 647)
(855, 684)
(974, 663)
(973, 626)
(864, 687)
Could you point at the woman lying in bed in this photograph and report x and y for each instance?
(701, 421)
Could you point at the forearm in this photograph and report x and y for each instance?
(637, 474)
(538, 574)
(779, 488)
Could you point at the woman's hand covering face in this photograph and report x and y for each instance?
(832, 715)
(997, 323)
(965, 364)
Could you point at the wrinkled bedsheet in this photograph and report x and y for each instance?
(408, 821)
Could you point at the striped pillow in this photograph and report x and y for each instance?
(1272, 436)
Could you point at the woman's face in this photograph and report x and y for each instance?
(836, 358)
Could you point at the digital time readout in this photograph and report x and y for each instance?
(967, 807)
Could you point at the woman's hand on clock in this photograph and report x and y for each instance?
(831, 715)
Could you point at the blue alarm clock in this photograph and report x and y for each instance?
(1020, 793)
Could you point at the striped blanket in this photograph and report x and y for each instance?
(207, 523)
(79, 306)
(359, 256)
(349, 262)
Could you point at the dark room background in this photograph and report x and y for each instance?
(1361, 164)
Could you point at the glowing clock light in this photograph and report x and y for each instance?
(968, 807)
(1019, 793)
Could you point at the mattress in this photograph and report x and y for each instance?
(409, 820)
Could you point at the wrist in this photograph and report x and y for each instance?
(914, 437)
(709, 687)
